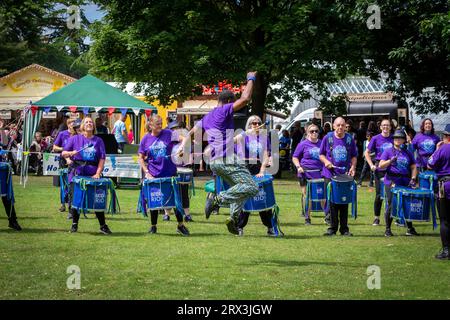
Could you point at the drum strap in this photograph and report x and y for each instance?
(63, 186)
(176, 193)
(142, 203)
(276, 221)
(114, 206)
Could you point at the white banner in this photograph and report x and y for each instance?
(124, 166)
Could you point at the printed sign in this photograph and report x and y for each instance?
(124, 166)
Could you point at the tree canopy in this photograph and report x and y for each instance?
(173, 46)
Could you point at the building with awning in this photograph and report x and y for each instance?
(31, 83)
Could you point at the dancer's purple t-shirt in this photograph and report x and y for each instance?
(379, 144)
(62, 138)
(440, 163)
(93, 154)
(400, 167)
(157, 151)
(308, 152)
(425, 144)
(338, 156)
(216, 124)
(253, 146)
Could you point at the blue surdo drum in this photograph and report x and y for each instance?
(6, 188)
(343, 189)
(185, 175)
(412, 204)
(428, 180)
(265, 198)
(90, 195)
(315, 195)
(159, 193)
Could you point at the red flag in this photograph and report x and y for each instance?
(73, 108)
(34, 109)
(111, 110)
(148, 112)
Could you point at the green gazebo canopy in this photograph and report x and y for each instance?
(94, 94)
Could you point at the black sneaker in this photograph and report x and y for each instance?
(74, 228)
(376, 222)
(69, 216)
(270, 232)
(188, 218)
(307, 222)
(14, 225)
(388, 233)
(240, 232)
(105, 230)
(62, 208)
(399, 224)
(329, 233)
(411, 232)
(210, 206)
(152, 230)
(327, 219)
(183, 230)
(347, 234)
(231, 225)
(443, 254)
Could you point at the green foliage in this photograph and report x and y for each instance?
(37, 32)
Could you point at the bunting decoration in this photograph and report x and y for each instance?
(97, 109)
(73, 109)
(59, 108)
(34, 109)
(123, 111)
(111, 110)
(47, 110)
(148, 112)
(85, 110)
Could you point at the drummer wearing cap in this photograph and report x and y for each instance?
(440, 163)
(338, 153)
(401, 170)
(379, 144)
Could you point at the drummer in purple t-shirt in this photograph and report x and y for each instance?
(155, 158)
(401, 170)
(379, 144)
(87, 153)
(219, 127)
(338, 153)
(253, 147)
(440, 163)
(425, 144)
(306, 160)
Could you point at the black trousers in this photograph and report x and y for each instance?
(378, 202)
(9, 208)
(387, 215)
(185, 195)
(444, 217)
(338, 215)
(154, 216)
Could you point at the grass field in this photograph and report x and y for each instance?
(211, 263)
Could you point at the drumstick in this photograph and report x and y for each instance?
(264, 124)
(90, 144)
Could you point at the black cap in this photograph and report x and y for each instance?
(447, 130)
(399, 134)
(76, 123)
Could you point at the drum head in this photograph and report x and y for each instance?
(342, 178)
(184, 170)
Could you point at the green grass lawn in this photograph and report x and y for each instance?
(211, 263)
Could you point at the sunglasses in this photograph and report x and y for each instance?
(256, 123)
(314, 131)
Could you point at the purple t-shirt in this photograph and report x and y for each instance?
(308, 152)
(440, 163)
(219, 126)
(341, 154)
(379, 144)
(62, 138)
(253, 146)
(157, 152)
(425, 144)
(93, 154)
(398, 172)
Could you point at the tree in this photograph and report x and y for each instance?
(173, 46)
(37, 32)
